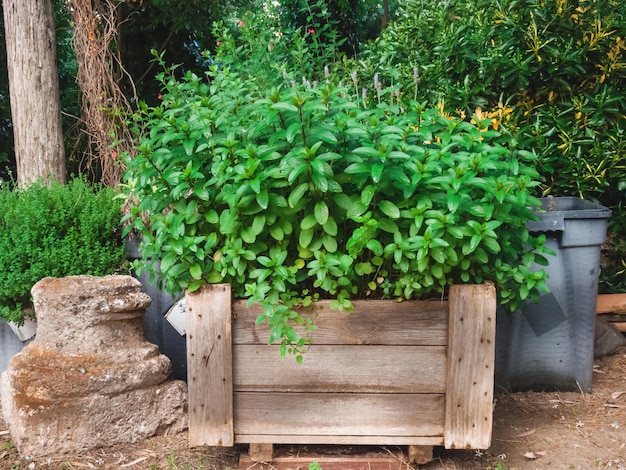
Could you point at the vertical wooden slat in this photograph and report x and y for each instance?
(470, 380)
(209, 366)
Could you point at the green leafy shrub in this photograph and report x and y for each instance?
(56, 231)
(551, 73)
(558, 67)
(303, 191)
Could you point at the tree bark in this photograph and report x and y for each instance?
(34, 90)
(384, 18)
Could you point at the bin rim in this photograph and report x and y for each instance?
(571, 207)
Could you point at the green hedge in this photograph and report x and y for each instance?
(55, 231)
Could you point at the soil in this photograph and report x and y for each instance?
(531, 431)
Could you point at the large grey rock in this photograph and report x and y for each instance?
(89, 378)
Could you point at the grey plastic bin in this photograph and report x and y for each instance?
(549, 345)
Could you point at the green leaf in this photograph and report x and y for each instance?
(330, 227)
(262, 199)
(305, 238)
(324, 135)
(308, 222)
(491, 244)
(228, 222)
(258, 224)
(330, 243)
(366, 151)
(277, 233)
(367, 194)
(296, 195)
(363, 269)
(375, 247)
(357, 168)
(320, 182)
(195, 285)
(388, 225)
(389, 209)
(247, 235)
(188, 146)
(321, 212)
(436, 271)
(292, 131)
(377, 172)
(454, 200)
(195, 271)
(212, 217)
(282, 106)
(167, 261)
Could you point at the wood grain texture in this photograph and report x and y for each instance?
(338, 439)
(372, 322)
(209, 366)
(303, 459)
(411, 373)
(469, 395)
(342, 368)
(322, 418)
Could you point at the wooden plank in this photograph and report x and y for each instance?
(328, 462)
(342, 368)
(372, 322)
(338, 439)
(209, 366)
(321, 417)
(469, 395)
(613, 317)
(611, 303)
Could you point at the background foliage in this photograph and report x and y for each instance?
(551, 73)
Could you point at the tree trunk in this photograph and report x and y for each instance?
(34, 90)
(384, 18)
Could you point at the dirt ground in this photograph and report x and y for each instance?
(531, 431)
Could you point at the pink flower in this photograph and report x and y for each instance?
(311, 31)
(160, 96)
(218, 44)
(240, 24)
(114, 154)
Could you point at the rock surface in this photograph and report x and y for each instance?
(89, 378)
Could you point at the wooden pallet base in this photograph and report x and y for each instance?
(299, 458)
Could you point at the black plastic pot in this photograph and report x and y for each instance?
(157, 329)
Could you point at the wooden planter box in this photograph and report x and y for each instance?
(389, 373)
